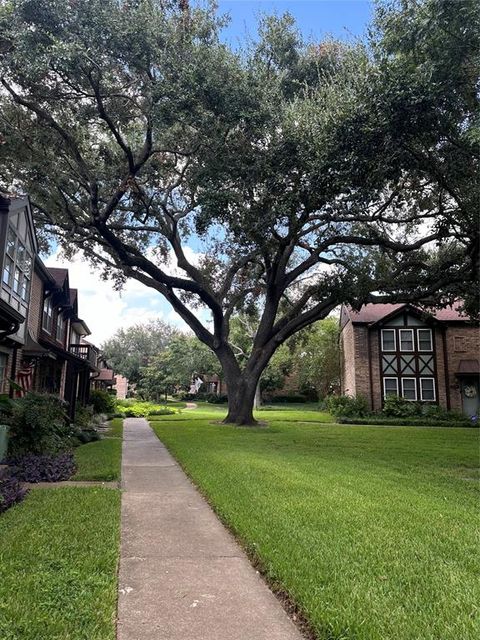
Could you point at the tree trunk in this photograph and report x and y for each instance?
(241, 397)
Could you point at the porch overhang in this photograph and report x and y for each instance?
(468, 368)
(33, 349)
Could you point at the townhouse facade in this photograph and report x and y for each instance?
(399, 349)
(43, 344)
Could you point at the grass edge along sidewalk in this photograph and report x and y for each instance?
(101, 460)
(371, 530)
(58, 565)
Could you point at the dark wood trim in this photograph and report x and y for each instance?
(416, 358)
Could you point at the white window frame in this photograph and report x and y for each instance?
(400, 341)
(394, 341)
(434, 390)
(415, 388)
(431, 341)
(384, 386)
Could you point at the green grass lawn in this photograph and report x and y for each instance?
(371, 530)
(115, 428)
(58, 564)
(99, 460)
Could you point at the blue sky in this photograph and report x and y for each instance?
(106, 310)
(315, 18)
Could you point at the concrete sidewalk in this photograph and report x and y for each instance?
(182, 575)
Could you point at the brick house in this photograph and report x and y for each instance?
(104, 378)
(54, 359)
(399, 349)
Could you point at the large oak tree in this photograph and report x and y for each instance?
(311, 174)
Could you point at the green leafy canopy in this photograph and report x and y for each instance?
(312, 174)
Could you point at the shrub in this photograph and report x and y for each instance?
(296, 399)
(127, 402)
(347, 406)
(11, 492)
(43, 468)
(185, 395)
(395, 406)
(39, 424)
(83, 415)
(162, 412)
(86, 435)
(456, 420)
(213, 398)
(102, 401)
(137, 409)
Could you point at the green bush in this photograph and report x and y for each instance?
(83, 415)
(136, 409)
(397, 407)
(102, 401)
(39, 424)
(87, 435)
(213, 398)
(347, 406)
(455, 420)
(127, 402)
(295, 399)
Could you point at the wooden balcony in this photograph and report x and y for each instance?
(85, 352)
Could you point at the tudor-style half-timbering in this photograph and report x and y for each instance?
(399, 349)
(18, 247)
(407, 358)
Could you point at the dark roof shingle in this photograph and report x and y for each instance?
(374, 312)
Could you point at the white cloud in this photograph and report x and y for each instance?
(106, 310)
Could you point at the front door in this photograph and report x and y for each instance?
(470, 395)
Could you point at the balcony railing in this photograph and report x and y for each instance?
(85, 352)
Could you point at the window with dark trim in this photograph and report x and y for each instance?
(390, 387)
(409, 388)
(60, 330)
(427, 389)
(425, 341)
(17, 265)
(406, 340)
(47, 317)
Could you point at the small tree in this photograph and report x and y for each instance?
(131, 349)
(317, 360)
(176, 366)
(312, 175)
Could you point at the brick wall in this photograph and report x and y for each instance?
(463, 343)
(347, 359)
(440, 365)
(362, 371)
(121, 386)
(36, 306)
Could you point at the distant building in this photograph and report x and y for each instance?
(401, 350)
(121, 387)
